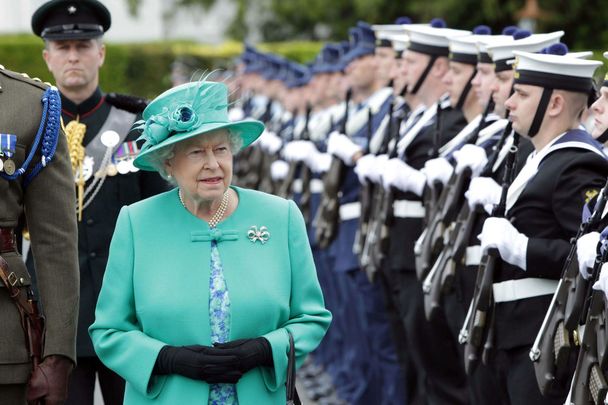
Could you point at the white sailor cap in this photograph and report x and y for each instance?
(503, 54)
(465, 49)
(554, 71)
(399, 41)
(490, 40)
(384, 31)
(432, 41)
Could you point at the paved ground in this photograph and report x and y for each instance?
(305, 401)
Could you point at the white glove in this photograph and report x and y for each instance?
(499, 233)
(270, 142)
(586, 250)
(377, 170)
(602, 282)
(398, 174)
(318, 162)
(297, 151)
(472, 156)
(364, 166)
(279, 169)
(342, 147)
(438, 169)
(484, 191)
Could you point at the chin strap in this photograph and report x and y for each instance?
(540, 112)
(465, 91)
(424, 74)
(603, 137)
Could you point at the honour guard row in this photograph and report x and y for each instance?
(454, 185)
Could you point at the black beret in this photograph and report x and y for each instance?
(71, 19)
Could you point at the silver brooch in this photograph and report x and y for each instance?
(254, 234)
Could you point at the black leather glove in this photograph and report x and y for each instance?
(48, 383)
(251, 353)
(198, 363)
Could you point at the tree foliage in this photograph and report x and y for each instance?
(584, 21)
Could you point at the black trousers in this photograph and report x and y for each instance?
(515, 374)
(82, 383)
(432, 348)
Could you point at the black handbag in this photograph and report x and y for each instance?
(292, 394)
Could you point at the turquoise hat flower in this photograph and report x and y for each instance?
(186, 111)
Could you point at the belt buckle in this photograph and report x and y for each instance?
(12, 279)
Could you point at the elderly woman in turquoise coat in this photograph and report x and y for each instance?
(205, 283)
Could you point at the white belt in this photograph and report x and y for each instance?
(296, 186)
(350, 211)
(316, 186)
(513, 290)
(408, 209)
(473, 255)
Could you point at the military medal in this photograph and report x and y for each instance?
(9, 167)
(111, 170)
(8, 144)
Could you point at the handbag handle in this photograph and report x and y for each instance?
(292, 395)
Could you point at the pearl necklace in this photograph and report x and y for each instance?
(219, 214)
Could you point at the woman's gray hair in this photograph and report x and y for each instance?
(160, 157)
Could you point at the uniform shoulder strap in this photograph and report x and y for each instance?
(132, 104)
(23, 77)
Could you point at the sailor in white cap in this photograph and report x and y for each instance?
(543, 207)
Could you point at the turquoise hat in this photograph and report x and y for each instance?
(187, 111)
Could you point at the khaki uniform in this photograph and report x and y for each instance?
(49, 205)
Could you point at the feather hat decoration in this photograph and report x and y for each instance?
(185, 111)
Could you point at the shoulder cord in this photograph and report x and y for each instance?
(49, 124)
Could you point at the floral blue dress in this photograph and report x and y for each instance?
(219, 320)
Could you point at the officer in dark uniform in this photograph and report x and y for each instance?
(35, 179)
(102, 150)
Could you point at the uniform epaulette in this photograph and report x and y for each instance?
(23, 77)
(132, 104)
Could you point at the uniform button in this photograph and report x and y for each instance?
(92, 255)
(90, 221)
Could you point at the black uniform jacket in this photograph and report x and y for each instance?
(405, 231)
(99, 218)
(548, 212)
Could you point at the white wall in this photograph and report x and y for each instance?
(206, 26)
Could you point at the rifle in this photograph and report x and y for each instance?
(365, 197)
(469, 218)
(328, 214)
(285, 190)
(439, 280)
(32, 321)
(555, 346)
(372, 219)
(306, 174)
(480, 322)
(423, 259)
(589, 385)
(253, 167)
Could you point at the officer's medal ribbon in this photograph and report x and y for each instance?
(124, 157)
(8, 144)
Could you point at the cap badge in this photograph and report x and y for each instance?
(72, 9)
